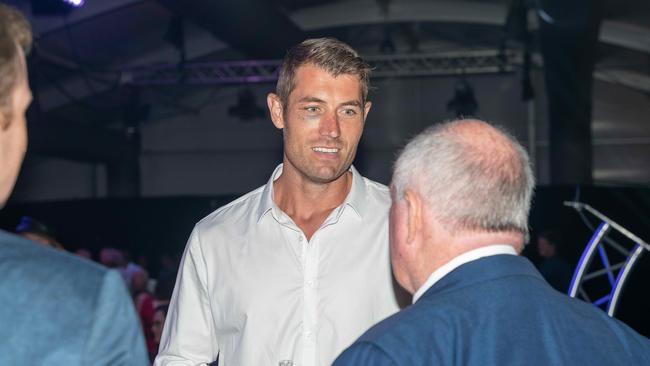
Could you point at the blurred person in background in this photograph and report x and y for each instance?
(556, 269)
(84, 253)
(159, 316)
(127, 267)
(144, 304)
(110, 257)
(38, 232)
(56, 309)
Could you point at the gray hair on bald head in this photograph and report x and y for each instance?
(472, 176)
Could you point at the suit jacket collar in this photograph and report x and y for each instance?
(483, 270)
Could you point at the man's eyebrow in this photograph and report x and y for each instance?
(311, 100)
(308, 99)
(354, 103)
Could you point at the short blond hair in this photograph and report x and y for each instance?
(15, 35)
(329, 54)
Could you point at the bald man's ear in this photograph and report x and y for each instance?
(414, 207)
(276, 110)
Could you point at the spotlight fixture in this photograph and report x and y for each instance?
(75, 3)
(55, 7)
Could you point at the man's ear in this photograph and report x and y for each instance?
(276, 110)
(366, 110)
(413, 203)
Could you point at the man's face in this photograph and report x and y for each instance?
(397, 236)
(13, 138)
(322, 124)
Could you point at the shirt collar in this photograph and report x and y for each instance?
(466, 257)
(356, 197)
(266, 203)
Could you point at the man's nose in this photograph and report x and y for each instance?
(329, 126)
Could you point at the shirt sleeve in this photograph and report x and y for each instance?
(188, 337)
(115, 336)
(364, 353)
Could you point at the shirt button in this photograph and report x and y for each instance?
(308, 334)
(310, 283)
(300, 239)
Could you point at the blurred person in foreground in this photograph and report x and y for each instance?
(461, 196)
(298, 268)
(56, 309)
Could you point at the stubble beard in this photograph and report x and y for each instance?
(316, 173)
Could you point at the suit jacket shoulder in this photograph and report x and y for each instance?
(60, 309)
(498, 310)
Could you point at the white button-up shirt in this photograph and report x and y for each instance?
(252, 289)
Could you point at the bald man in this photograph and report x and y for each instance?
(461, 194)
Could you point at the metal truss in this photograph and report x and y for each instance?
(409, 65)
(615, 274)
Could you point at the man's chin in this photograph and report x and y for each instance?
(327, 175)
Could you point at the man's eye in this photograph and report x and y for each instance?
(349, 112)
(312, 109)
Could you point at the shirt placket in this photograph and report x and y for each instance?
(310, 300)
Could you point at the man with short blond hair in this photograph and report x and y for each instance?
(55, 309)
(461, 195)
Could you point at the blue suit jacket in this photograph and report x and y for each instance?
(57, 309)
(498, 310)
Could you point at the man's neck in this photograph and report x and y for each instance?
(443, 250)
(466, 257)
(309, 203)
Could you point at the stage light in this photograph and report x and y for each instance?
(76, 3)
(55, 7)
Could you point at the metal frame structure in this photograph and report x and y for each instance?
(489, 61)
(587, 270)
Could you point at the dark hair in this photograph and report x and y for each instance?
(329, 54)
(30, 225)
